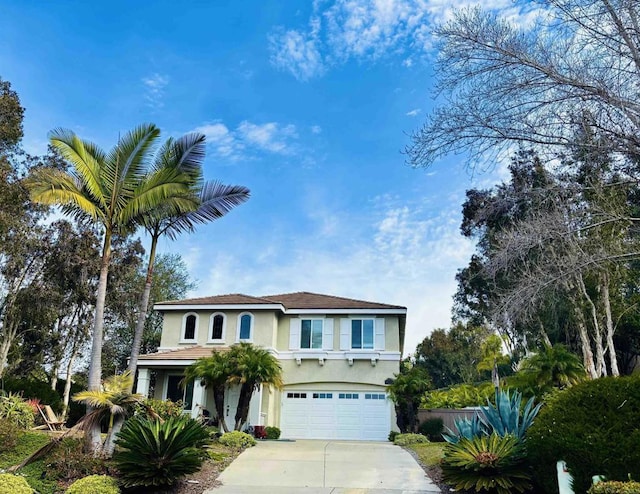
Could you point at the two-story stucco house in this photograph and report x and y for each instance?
(337, 355)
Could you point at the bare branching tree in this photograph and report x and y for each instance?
(578, 65)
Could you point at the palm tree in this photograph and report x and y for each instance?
(114, 400)
(214, 201)
(214, 373)
(406, 391)
(554, 366)
(113, 189)
(252, 367)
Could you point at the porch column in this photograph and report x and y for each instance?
(144, 377)
(199, 398)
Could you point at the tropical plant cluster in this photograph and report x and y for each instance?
(155, 452)
(13, 408)
(245, 365)
(487, 452)
(592, 426)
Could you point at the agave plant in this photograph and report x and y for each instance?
(486, 463)
(155, 453)
(506, 417)
(466, 428)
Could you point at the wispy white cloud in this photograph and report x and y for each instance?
(249, 138)
(155, 85)
(270, 136)
(406, 255)
(316, 129)
(414, 112)
(340, 30)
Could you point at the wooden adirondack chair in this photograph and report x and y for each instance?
(51, 419)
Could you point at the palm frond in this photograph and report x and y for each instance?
(55, 187)
(216, 200)
(127, 163)
(185, 154)
(86, 157)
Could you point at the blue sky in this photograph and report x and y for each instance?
(307, 103)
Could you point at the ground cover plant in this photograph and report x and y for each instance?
(614, 487)
(14, 484)
(592, 426)
(409, 438)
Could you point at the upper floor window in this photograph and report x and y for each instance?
(245, 326)
(311, 333)
(217, 326)
(362, 331)
(189, 327)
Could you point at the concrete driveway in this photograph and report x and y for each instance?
(324, 467)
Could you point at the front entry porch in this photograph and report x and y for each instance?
(164, 383)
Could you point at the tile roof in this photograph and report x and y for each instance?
(297, 300)
(187, 353)
(308, 300)
(228, 299)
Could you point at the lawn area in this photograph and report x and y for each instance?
(429, 454)
(28, 443)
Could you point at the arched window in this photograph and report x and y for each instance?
(245, 326)
(217, 325)
(189, 327)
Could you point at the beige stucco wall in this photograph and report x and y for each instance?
(392, 332)
(264, 328)
(338, 371)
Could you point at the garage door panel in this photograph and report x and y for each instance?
(335, 415)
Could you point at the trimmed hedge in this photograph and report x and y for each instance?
(272, 432)
(94, 484)
(14, 484)
(409, 438)
(433, 429)
(594, 427)
(237, 439)
(615, 488)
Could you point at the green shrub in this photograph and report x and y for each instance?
(237, 439)
(393, 435)
(614, 487)
(94, 484)
(432, 428)
(272, 432)
(409, 438)
(14, 484)
(155, 453)
(34, 388)
(16, 410)
(162, 408)
(460, 396)
(493, 463)
(10, 433)
(67, 461)
(594, 427)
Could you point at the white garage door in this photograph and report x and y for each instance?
(359, 415)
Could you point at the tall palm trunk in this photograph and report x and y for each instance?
(143, 307)
(242, 412)
(218, 400)
(93, 442)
